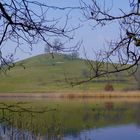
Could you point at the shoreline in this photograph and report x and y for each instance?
(71, 95)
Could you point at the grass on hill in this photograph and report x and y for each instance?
(42, 73)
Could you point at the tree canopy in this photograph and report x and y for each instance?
(25, 22)
(125, 48)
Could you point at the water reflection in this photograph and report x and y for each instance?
(10, 133)
(69, 120)
(123, 132)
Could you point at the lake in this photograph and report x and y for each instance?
(69, 119)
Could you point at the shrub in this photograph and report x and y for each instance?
(109, 87)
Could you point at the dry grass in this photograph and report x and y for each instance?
(72, 95)
(102, 94)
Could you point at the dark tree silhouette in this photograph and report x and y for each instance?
(29, 21)
(126, 48)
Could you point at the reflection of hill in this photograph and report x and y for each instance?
(60, 118)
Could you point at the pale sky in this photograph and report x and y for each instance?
(92, 39)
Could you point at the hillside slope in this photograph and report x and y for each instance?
(43, 73)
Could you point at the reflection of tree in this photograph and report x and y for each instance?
(109, 114)
(109, 106)
(17, 122)
(20, 121)
(137, 115)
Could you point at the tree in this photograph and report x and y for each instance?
(127, 45)
(47, 49)
(57, 46)
(29, 21)
(75, 54)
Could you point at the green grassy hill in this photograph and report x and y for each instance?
(43, 73)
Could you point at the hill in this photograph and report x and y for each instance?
(43, 73)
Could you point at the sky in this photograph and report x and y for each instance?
(93, 39)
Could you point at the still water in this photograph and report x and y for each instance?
(69, 120)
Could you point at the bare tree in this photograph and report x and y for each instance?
(29, 21)
(57, 45)
(47, 49)
(127, 45)
(74, 54)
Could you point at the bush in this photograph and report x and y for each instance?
(109, 87)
